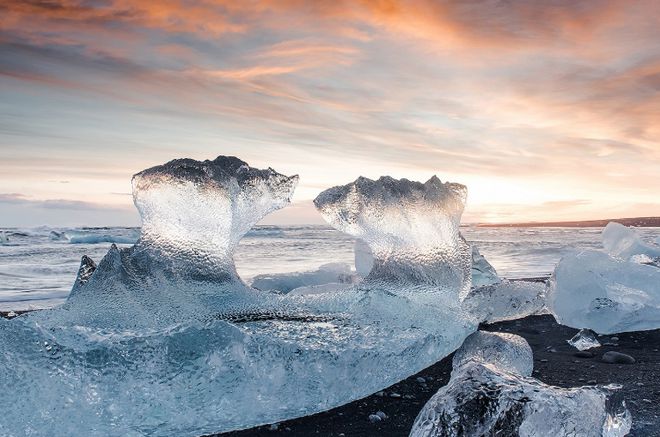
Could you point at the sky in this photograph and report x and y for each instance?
(546, 110)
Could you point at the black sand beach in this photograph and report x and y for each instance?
(554, 363)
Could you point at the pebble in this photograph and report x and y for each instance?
(395, 395)
(584, 354)
(613, 357)
(381, 414)
(592, 382)
(421, 380)
(374, 418)
(380, 394)
(543, 360)
(614, 338)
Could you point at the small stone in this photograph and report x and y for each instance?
(592, 382)
(380, 394)
(613, 357)
(584, 354)
(395, 395)
(381, 414)
(614, 338)
(543, 360)
(374, 418)
(421, 380)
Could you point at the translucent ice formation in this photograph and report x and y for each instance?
(623, 242)
(163, 338)
(364, 259)
(412, 229)
(506, 300)
(491, 393)
(608, 295)
(585, 339)
(482, 272)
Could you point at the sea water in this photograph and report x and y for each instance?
(38, 265)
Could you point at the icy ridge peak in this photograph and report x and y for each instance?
(206, 206)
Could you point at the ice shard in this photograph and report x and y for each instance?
(623, 242)
(491, 393)
(163, 338)
(585, 339)
(483, 273)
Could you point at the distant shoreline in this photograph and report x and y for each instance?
(649, 222)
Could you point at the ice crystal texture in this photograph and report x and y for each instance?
(163, 338)
(412, 229)
(491, 393)
(584, 339)
(607, 294)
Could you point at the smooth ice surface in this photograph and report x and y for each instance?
(585, 339)
(506, 300)
(163, 338)
(623, 242)
(412, 229)
(491, 393)
(594, 290)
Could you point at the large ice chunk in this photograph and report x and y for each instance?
(608, 295)
(623, 242)
(491, 393)
(412, 229)
(163, 338)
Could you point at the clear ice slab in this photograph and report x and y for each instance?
(491, 392)
(163, 338)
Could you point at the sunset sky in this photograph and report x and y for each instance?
(546, 110)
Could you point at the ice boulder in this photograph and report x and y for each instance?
(491, 393)
(163, 338)
(623, 242)
(412, 229)
(608, 295)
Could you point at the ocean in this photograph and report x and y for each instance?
(38, 265)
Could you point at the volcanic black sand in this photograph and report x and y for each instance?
(555, 363)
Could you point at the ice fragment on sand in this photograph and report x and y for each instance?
(491, 393)
(584, 339)
(623, 242)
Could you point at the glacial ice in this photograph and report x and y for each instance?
(163, 338)
(491, 393)
(585, 339)
(482, 272)
(607, 294)
(623, 242)
(412, 229)
(506, 300)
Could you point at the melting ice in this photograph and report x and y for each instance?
(163, 338)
